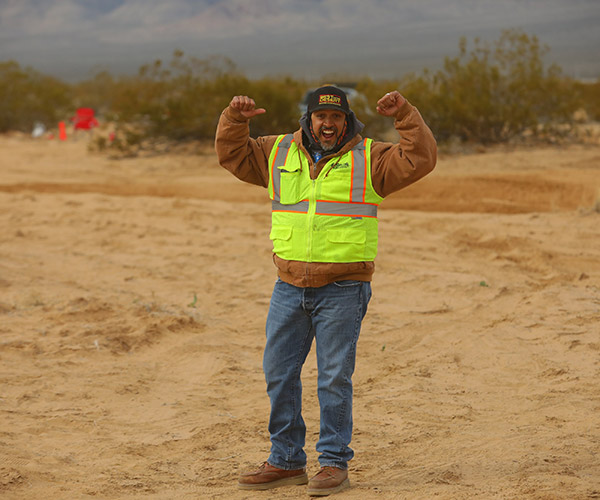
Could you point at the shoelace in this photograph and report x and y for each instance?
(327, 470)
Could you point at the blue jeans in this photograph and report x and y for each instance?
(332, 314)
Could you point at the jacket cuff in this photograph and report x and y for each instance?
(234, 115)
(404, 110)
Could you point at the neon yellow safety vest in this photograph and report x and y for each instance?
(332, 218)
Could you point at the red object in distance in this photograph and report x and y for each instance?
(84, 119)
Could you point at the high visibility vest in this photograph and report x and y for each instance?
(332, 218)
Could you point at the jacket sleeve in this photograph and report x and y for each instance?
(395, 166)
(244, 157)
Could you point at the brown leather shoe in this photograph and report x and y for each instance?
(327, 481)
(267, 477)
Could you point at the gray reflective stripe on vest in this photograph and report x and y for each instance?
(283, 149)
(301, 207)
(329, 208)
(347, 209)
(359, 172)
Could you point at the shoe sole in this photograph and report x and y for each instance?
(323, 492)
(286, 481)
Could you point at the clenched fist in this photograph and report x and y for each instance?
(246, 106)
(390, 103)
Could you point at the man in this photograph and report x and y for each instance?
(325, 182)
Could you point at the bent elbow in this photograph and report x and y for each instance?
(430, 159)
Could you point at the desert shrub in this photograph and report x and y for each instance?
(182, 100)
(280, 97)
(493, 94)
(488, 93)
(376, 125)
(97, 93)
(589, 96)
(176, 101)
(186, 100)
(28, 96)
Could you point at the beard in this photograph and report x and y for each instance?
(330, 145)
(326, 147)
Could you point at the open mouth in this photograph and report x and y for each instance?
(327, 134)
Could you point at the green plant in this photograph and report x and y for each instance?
(28, 96)
(588, 94)
(193, 302)
(492, 94)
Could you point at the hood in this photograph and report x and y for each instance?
(354, 127)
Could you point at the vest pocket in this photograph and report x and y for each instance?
(346, 245)
(282, 239)
(357, 237)
(291, 185)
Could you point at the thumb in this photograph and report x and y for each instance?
(254, 112)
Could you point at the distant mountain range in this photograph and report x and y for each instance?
(381, 38)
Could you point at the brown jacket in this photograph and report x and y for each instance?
(393, 167)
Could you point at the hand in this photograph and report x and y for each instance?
(246, 106)
(390, 103)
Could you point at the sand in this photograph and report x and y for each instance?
(133, 296)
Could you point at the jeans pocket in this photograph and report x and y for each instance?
(347, 283)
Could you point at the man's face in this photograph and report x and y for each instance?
(327, 125)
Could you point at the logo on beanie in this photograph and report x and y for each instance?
(330, 99)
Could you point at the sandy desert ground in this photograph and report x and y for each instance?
(133, 295)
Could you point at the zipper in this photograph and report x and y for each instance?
(312, 208)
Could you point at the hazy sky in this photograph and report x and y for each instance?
(72, 39)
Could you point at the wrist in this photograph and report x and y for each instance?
(403, 109)
(235, 115)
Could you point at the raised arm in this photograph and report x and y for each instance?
(243, 156)
(397, 165)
